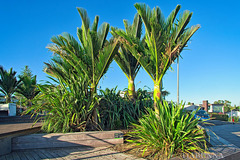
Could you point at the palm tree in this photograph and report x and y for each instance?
(8, 83)
(125, 60)
(91, 57)
(165, 40)
(28, 88)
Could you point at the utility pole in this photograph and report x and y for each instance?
(178, 80)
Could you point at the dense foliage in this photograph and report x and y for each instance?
(119, 112)
(169, 131)
(218, 116)
(68, 106)
(90, 58)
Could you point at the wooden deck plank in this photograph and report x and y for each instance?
(40, 154)
(22, 155)
(54, 153)
(61, 153)
(28, 155)
(44, 151)
(3, 157)
(9, 156)
(35, 156)
(15, 156)
(70, 153)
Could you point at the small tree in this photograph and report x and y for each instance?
(28, 85)
(91, 57)
(125, 60)
(8, 83)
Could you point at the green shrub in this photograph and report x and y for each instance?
(119, 112)
(68, 107)
(171, 131)
(217, 116)
(236, 119)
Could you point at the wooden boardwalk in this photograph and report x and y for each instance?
(100, 153)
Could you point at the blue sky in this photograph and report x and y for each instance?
(209, 70)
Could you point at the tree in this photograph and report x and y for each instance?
(28, 85)
(91, 57)
(165, 41)
(8, 83)
(125, 60)
(26, 72)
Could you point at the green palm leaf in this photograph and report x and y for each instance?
(165, 39)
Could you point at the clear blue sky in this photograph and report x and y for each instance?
(208, 71)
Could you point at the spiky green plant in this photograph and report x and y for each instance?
(165, 39)
(169, 131)
(92, 56)
(68, 106)
(125, 60)
(8, 83)
(119, 112)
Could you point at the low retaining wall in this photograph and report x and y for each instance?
(54, 140)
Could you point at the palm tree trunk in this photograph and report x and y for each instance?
(94, 115)
(131, 88)
(8, 99)
(156, 95)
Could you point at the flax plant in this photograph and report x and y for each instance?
(68, 106)
(119, 112)
(170, 131)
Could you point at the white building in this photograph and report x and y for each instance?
(234, 113)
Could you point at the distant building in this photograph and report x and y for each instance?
(235, 113)
(191, 107)
(216, 108)
(212, 108)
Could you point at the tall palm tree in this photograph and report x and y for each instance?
(125, 60)
(165, 38)
(92, 56)
(8, 83)
(28, 88)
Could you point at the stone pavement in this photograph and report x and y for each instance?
(86, 153)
